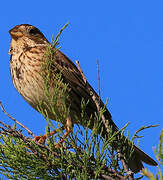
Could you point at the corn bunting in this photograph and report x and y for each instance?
(27, 49)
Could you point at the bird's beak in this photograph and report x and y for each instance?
(15, 34)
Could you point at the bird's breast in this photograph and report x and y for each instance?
(26, 76)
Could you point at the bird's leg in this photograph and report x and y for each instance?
(41, 139)
(68, 130)
(69, 125)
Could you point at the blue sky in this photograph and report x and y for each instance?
(125, 36)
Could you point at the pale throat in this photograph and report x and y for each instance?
(17, 46)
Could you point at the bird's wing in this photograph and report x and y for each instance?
(73, 77)
(69, 69)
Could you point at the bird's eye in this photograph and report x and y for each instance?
(33, 31)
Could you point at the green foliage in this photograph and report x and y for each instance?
(84, 154)
(159, 155)
(55, 90)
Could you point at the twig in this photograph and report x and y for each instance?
(129, 173)
(30, 132)
(8, 130)
(98, 71)
(93, 95)
(141, 129)
(103, 176)
(14, 133)
(107, 169)
(121, 157)
(94, 98)
(81, 72)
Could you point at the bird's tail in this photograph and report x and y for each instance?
(138, 156)
(135, 163)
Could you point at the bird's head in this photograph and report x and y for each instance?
(26, 35)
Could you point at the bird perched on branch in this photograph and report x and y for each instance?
(28, 48)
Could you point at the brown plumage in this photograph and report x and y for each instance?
(27, 49)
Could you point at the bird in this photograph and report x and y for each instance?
(27, 54)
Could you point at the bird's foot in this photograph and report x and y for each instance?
(41, 139)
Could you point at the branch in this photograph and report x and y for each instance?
(98, 70)
(30, 132)
(94, 98)
(29, 144)
(107, 169)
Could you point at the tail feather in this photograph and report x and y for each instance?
(135, 163)
(138, 156)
